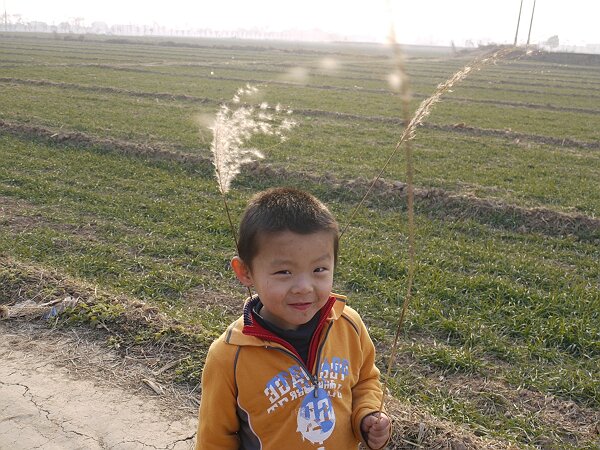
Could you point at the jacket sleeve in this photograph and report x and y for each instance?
(218, 422)
(367, 393)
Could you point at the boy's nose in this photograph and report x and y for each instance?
(302, 285)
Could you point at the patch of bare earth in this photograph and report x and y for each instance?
(435, 202)
(19, 216)
(201, 298)
(63, 389)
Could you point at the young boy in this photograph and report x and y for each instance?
(297, 370)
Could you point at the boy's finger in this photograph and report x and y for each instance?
(378, 434)
(382, 424)
(369, 422)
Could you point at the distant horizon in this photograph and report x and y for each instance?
(301, 36)
(431, 23)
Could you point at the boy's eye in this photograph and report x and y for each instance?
(282, 272)
(320, 269)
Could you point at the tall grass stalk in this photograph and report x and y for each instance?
(232, 130)
(408, 135)
(405, 96)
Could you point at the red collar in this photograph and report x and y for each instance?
(253, 328)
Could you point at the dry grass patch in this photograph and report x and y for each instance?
(230, 306)
(20, 216)
(129, 325)
(574, 424)
(415, 429)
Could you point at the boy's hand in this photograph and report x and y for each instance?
(376, 430)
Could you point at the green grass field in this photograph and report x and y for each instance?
(502, 340)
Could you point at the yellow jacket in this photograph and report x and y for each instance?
(258, 394)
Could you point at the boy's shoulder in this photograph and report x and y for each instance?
(233, 329)
(348, 314)
(234, 336)
(221, 351)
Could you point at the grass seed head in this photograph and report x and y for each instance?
(234, 127)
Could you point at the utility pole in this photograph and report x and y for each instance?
(518, 22)
(530, 24)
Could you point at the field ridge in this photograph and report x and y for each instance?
(434, 201)
(191, 98)
(459, 128)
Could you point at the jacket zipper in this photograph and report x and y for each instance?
(319, 351)
(313, 378)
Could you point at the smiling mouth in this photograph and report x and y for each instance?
(301, 306)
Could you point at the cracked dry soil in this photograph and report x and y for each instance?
(67, 393)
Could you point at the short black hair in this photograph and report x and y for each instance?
(283, 209)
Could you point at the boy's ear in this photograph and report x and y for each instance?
(242, 271)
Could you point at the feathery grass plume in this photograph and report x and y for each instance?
(233, 128)
(424, 110)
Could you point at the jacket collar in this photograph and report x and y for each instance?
(240, 331)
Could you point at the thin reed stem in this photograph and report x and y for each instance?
(405, 96)
(233, 233)
(371, 186)
(231, 226)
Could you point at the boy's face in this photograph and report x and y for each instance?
(292, 274)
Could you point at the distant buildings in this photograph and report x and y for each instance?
(76, 26)
(16, 24)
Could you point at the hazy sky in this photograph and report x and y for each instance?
(421, 21)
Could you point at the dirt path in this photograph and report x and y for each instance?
(59, 391)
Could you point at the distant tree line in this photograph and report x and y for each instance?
(76, 26)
